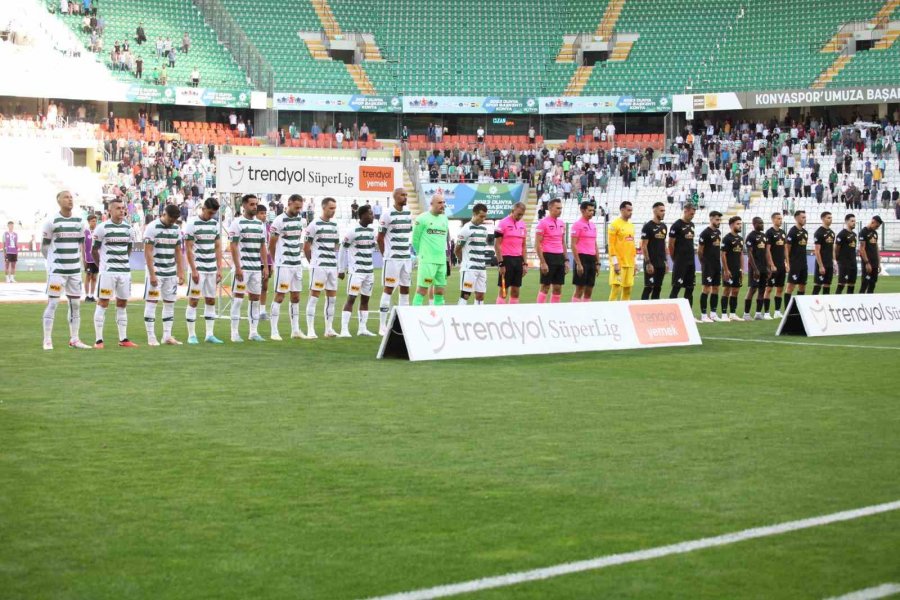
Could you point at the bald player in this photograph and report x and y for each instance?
(394, 233)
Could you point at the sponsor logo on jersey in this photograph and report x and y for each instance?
(241, 287)
(105, 292)
(390, 280)
(153, 293)
(195, 293)
(283, 287)
(319, 285)
(467, 285)
(354, 288)
(55, 287)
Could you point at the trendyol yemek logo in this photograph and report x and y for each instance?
(237, 173)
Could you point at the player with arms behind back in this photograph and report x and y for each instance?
(286, 245)
(356, 256)
(845, 255)
(653, 248)
(165, 272)
(204, 257)
(473, 254)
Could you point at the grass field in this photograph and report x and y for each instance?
(310, 470)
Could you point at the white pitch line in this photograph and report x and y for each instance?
(879, 591)
(612, 560)
(730, 339)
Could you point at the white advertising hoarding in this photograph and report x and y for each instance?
(307, 176)
(445, 332)
(849, 314)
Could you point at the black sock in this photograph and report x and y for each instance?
(801, 293)
(656, 292)
(850, 289)
(715, 302)
(689, 295)
(826, 290)
(817, 289)
(748, 302)
(840, 289)
(777, 302)
(704, 297)
(675, 290)
(767, 304)
(645, 295)
(759, 304)
(733, 305)
(787, 300)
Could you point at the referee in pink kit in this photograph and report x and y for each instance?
(509, 246)
(550, 250)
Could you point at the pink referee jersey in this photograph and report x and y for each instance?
(553, 230)
(513, 232)
(586, 232)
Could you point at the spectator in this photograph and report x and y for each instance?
(139, 67)
(293, 131)
(611, 133)
(140, 37)
(185, 42)
(531, 134)
(241, 128)
(479, 134)
(397, 153)
(404, 134)
(339, 138)
(314, 131)
(895, 196)
(159, 47)
(597, 133)
(163, 75)
(364, 133)
(172, 58)
(154, 77)
(195, 77)
(376, 209)
(363, 153)
(354, 209)
(232, 120)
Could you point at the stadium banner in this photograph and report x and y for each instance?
(809, 97)
(461, 197)
(445, 332)
(561, 105)
(198, 96)
(850, 314)
(470, 105)
(150, 94)
(308, 176)
(337, 102)
(698, 102)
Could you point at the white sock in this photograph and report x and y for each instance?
(462, 302)
(209, 318)
(122, 323)
(480, 302)
(384, 308)
(190, 317)
(49, 314)
(404, 299)
(235, 315)
(150, 320)
(363, 319)
(330, 301)
(274, 313)
(311, 314)
(253, 312)
(295, 317)
(168, 316)
(345, 320)
(99, 320)
(74, 317)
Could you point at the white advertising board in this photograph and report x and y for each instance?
(445, 332)
(850, 314)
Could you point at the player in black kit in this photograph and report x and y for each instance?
(868, 252)
(795, 247)
(758, 265)
(845, 255)
(732, 263)
(681, 250)
(708, 250)
(775, 238)
(823, 248)
(653, 248)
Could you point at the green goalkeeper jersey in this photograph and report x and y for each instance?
(430, 238)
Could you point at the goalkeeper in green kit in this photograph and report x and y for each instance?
(429, 240)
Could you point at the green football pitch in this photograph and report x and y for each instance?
(308, 469)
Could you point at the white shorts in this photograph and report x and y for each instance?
(252, 283)
(206, 288)
(288, 279)
(473, 281)
(396, 272)
(322, 278)
(114, 284)
(57, 284)
(167, 290)
(360, 283)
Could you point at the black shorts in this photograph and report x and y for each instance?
(712, 276)
(847, 274)
(824, 279)
(684, 274)
(655, 280)
(736, 281)
(589, 277)
(776, 278)
(760, 281)
(514, 271)
(11, 258)
(556, 273)
(92, 268)
(798, 275)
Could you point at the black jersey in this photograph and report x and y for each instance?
(775, 238)
(655, 234)
(846, 242)
(756, 247)
(869, 237)
(797, 237)
(824, 239)
(683, 233)
(711, 240)
(732, 251)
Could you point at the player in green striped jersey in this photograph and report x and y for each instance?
(165, 272)
(111, 250)
(356, 256)
(62, 235)
(473, 253)
(286, 245)
(204, 257)
(322, 241)
(250, 259)
(394, 234)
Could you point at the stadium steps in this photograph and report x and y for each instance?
(831, 72)
(885, 12)
(888, 40)
(566, 53)
(838, 42)
(326, 17)
(317, 49)
(621, 50)
(361, 79)
(412, 197)
(610, 18)
(578, 81)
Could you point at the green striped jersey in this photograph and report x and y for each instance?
(396, 225)
(250, 234)
(476, 254)
(288, 248)
(64, 237)
(204, 234)
(166, 241)
(323, 235)
(359, 244)
(115, 241)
